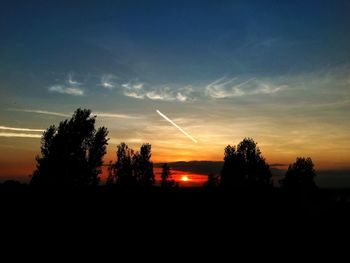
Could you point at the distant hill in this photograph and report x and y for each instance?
(324, 178)
(207, 167)
(200, 167)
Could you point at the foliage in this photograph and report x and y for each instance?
(71, 154)
(165, 176)
(244, 166)
(300, 174)
(132, 168)
(213, 181)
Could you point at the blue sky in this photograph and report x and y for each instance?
(274, 70)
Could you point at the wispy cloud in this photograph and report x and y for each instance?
(134, 90)
(264, 88)
(107, 81)
(160, 94)
(181, 97)
(229, 88)
(66, 90)
(225, 88)
(139, 90)
(71, 87)
(20, 129)
(134, 95)
(20, 135)
(71, 81)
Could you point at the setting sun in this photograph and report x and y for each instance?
(185, 178)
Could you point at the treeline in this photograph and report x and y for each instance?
(72, 155)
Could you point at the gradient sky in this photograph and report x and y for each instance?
(277, 71)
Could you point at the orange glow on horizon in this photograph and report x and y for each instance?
(185, 178)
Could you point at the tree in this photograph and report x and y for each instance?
(165, 176)
(71, 154)
(244, 165)
(123, 166)
(232, 173)
(111, 173)
(132, 168)
(212, 181)
(143, 167)
(300, 175)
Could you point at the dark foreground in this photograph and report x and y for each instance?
(181, 203)
(184, 217)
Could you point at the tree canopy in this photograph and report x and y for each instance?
(132, 168)
(165, 176)
(244, 166)
(300, 174)
(71, 154)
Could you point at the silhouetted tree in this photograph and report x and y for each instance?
(111, 173)
(165, 176)
(71, 154)
(11, 184)
(123, 166)
(300, 175)
(143, 167)
(244, 165)
(213, 181)
(132, 168)
(232, 173)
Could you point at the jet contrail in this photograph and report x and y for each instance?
(21, 135)
(20, 129)
(41, 112)
(180, 129)
(99, 114)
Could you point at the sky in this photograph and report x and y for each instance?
(276, 71)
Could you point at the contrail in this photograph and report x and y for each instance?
(20, 129)
(113, 115)
(41, 112)
(99, 114)
(180, 129)
(21, 135)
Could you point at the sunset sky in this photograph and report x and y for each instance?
(222, 70)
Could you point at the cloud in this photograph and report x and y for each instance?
(181, 97)
(72, 82)
(134, 90)
(185, 94)
(20, 129)
(160, 94)
(21, 135)
(139, 90)
(225, 88)
(229, 88)
(268, 89)
(71, 87)
(134, 95)
(66, 90)
(107, 81)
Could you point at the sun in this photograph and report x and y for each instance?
(185, 178)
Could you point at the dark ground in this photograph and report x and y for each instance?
(196, 220)
(200, 204)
